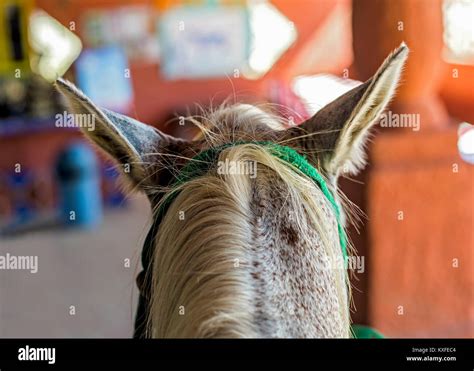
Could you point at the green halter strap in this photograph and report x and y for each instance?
(201, 164)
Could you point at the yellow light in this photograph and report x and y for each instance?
(272, 35)
(56, 47)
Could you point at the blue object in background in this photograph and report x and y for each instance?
(114, 197)
(23, 210)
(103, 75)
(80, 198)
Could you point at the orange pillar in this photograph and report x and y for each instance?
(419, 193)
(379, 27)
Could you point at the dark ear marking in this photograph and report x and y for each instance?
(126, 140)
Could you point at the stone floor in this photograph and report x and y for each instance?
(85, 272)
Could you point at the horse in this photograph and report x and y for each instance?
(245, 253)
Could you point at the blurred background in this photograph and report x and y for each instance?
(154, 60)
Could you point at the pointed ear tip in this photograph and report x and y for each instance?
(66, 87)
(60, 85)
(396, 59)
(60, 82)
(402, 51)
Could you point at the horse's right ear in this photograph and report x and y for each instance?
(126, 140)
(338, 131)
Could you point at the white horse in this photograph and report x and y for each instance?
(233, 255)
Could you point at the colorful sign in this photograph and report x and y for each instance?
(127, 26)
(204, 41)
(104, 76)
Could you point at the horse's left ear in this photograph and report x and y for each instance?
(339, 130)
(128, 141)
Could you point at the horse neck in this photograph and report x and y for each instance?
(247, 260)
